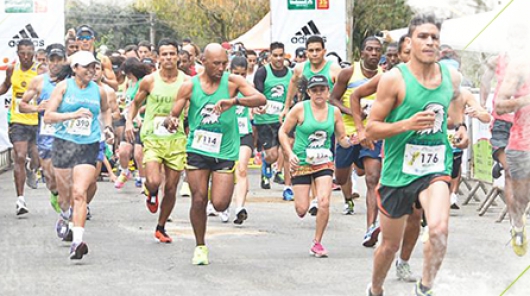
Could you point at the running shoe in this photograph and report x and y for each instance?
(88, 214)
(265, 182)
(404, 273)
(419, 292)
(185, 190)
(151, 202)
(138, 183)
(288, 194)
(335, 187)
(318, 250)
(369, 291)
(210, 210)
(225, 216)
(519, 242)
(162, 236)
(370, 238)
(54, 202)
(31, 177)
(122, 178)
(241, 216)
(77, 251)
(278, 178)
(21, 207)
(200, 256)
(266, 169)
(61, 227)
(313, 207)
(348, 207)
(496, 171)
(454, 202)
(355, 195)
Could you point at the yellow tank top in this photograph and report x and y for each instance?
(20, 81)
(357, 79)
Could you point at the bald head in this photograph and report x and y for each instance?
(215, 61)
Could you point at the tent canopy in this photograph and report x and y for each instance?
(259, 37)
(497, 37)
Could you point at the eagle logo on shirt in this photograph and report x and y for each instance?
(208, 115)
(438, 119)
(278, 91)
(240, 110)
(317, 139)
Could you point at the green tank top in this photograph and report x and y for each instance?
(325, 71)
(158, 106)
(130, 94)
(243, 119)
(275, 90)
(414, 154)
(313, 138)
(211, 134)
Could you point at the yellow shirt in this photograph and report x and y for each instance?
(20, 81)
(357, 79)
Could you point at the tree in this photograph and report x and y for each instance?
(206, 21)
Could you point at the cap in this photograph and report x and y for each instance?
(85, 28)
(83, 58)
(148, 61)
(300, 52)
(317, 80)
(382, 60)
(56, 49)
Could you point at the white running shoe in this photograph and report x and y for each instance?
(225, 216)
(210, 210)
(313, 207)
(21, 207)
(404, 273)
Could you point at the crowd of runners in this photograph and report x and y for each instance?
(172, 113)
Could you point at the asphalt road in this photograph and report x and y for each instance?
(268, 255)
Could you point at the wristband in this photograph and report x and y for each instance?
(110, 128)
(236, 101)
(458, 125)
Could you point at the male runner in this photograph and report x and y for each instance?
(213, 142)
(366, 158)
(272, 81)
(23, 127)
(39, 90)
(410, 113)
(162, 149)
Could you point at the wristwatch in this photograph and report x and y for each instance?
(458, 125)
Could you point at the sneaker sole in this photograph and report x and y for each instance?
(313, 211)
(69, 236)
(22, 211)
(80, 251)
(373, 239)
(318, 255)
(241, 216)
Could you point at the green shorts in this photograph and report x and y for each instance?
(171, 153)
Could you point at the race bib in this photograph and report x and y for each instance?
(47, 129)
(420, 160)
(274, 107)
(79, 126)
(366, 107)
(318, 156)
(243, 125)
(207, 141)
(158, 126)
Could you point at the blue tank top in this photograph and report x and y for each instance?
(82, 130)
(46, 132)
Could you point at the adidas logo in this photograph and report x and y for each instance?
(27, 32)
(310, 29)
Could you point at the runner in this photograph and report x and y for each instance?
(513, 96)
(210, 152)
(272, 81)
(417, 152)
(311, 159)
(162, 149)
(71, 46)
(144, 50)
(238, 66)
(363, 157)
(135, 72)
(39, 90)
(74, 107)
(23, 127)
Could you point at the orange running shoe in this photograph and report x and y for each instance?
(151, 202)
(162, 237)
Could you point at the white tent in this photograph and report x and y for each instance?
(259, 37)
(499, 36)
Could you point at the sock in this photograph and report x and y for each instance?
(125, 171)
(160, 228)
(518, 229)
(138, 179)
(54, 192)
(78, 234)
(401, 261)
(287, 187)
(21, 198)
(423, 288)
(143, 180)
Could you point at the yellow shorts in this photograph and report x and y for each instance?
(171, 153)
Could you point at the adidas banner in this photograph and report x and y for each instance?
(293, 21)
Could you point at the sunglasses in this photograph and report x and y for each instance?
(84, 38)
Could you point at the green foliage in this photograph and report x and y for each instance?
(372, 16)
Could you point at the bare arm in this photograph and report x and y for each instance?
(340, 130)
(251, 96)
(143, 90)
(473, 108)
(105, 110)
(110, 77)
(31, 94)
(181, 100)
(339, 89)
(292, 90)
(362, 91)
(485, 81)
(4, 87)
(291, 120)
(52, 116)
(513, 81)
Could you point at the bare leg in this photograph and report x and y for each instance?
(301, 199)
(242, 177)
(83, 176)
(323, 191)
(20, 150)
(372, 168)
(49, 175)
(170, 195)
(198, 180)
(412, 232)
(64, 187)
